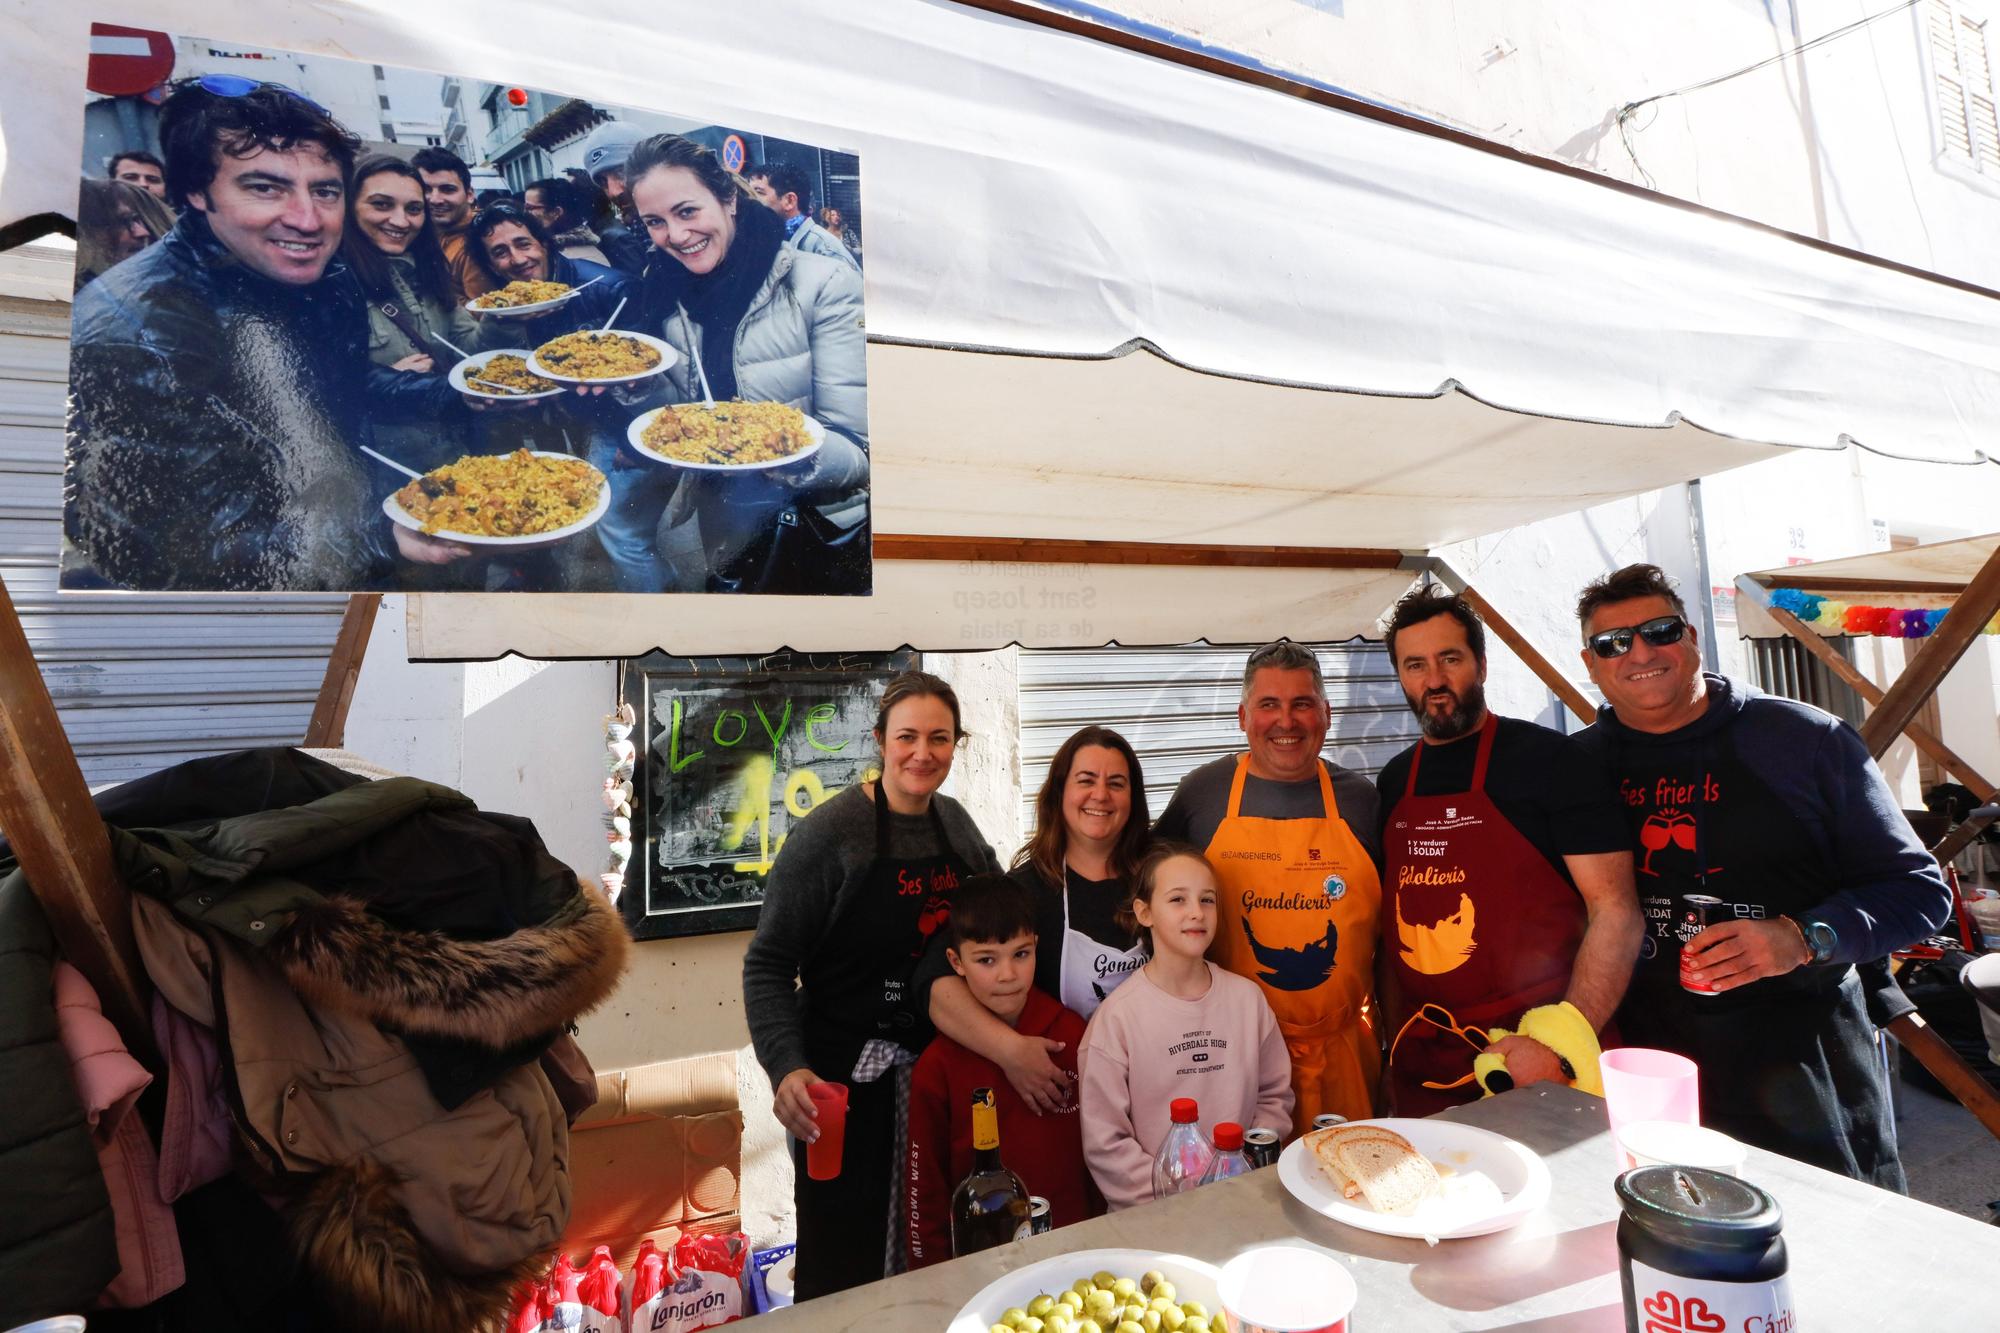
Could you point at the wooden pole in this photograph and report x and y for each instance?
(1950, 1069)
(1939, 654)
(1870, 692)
(328, 728)
(1960, 838)
(1578, 702)
(61, 843)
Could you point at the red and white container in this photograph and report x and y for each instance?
(1286, 1289)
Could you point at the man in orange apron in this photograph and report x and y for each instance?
(1507, 872)
(1290, 837)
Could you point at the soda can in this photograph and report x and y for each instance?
(1260, 1147)
(1328, 1120)
(1700, 912)
(1038, 1215)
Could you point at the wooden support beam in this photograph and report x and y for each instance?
(60, 841)
(1938, 655)
(916, 546)
(1948, 1067)
(328, 728)
(1577, 701)
(1960, 838)
(1870, 692)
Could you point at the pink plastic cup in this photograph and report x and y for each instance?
(830, 1108)
(1642, 1084)
(1286, 1289)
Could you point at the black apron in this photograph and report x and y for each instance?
(1788, 1063)
(856, 989)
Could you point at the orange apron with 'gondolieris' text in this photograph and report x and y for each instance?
(1297, 915)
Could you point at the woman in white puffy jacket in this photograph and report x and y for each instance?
(769, 324)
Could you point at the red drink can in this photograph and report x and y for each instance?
(1701, 912)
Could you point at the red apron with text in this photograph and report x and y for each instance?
(1477, 920)
(1297, 916)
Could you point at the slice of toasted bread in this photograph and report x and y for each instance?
(1321, 1143)
(1393, 1176)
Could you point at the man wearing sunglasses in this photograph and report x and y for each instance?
(1507, 871)
(1777, 810)
(220, 380)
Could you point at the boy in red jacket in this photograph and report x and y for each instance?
(992, 945)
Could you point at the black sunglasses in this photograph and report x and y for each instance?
(1618, 642)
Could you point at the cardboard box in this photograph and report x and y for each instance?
(659, 1155)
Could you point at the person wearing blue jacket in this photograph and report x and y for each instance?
(1777, 812)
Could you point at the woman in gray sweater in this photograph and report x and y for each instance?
(859, 889)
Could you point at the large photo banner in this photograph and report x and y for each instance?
(347, 327)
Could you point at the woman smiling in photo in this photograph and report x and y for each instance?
(768, 324)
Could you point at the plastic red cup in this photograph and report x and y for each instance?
(830, 1106)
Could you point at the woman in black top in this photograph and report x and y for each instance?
(1091, 829)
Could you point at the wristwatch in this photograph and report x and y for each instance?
(1820, 938)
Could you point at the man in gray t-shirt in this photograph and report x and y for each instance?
(1294, 846)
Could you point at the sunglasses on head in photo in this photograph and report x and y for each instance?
(1617, 642)
(235, 85)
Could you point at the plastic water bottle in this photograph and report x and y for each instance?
(1229, 1159)
(1184, 1154)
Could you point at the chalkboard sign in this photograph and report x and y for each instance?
(733, 752)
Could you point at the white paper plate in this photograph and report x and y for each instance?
(402, 517)
(472, 365)
(668, 356)
(635, 432)
(518, 311)
(1193, 1281)
(1495, 1182)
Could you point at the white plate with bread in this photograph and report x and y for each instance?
(1426, 1179)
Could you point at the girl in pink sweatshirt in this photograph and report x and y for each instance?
(1180, 1027)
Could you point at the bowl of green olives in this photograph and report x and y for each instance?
(1099, 1291)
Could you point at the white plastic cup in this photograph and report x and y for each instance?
(1286, 1289)
(62, 1323)
(1672, 1143)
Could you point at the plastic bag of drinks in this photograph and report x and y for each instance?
(703, 1286)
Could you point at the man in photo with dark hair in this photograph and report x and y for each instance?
(787, 191)
(1291, 838)
(220, 380)
(605, 151)
(1506, 875)
(510, 245)
(1769, 818)
(448, 196)
(142, 169)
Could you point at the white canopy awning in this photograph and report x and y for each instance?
(1113, 298)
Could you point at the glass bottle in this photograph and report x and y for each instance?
(990, 1206)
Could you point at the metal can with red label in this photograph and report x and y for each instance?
(1699, 912)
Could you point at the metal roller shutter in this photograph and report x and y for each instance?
(140, 681)
(1178, 708)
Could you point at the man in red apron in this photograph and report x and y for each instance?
(1291, 839)
(1507, 871)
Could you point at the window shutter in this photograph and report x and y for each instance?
(1954, 124)
(1977, 69)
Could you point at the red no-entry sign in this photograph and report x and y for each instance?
(127, 61)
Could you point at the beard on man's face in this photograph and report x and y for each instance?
(1455, 720)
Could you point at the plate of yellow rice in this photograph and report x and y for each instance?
(734, 436)
(518, 500)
